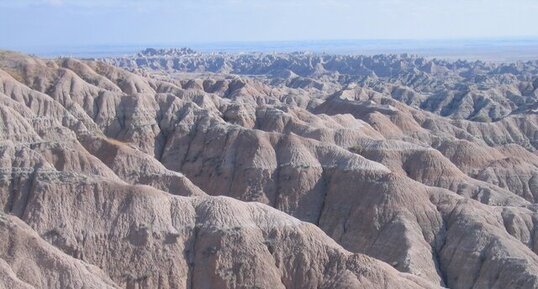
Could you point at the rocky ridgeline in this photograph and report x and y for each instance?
(472, 90)
(249, 176)
(172, 52)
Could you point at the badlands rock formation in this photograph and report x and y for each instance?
(177, 169)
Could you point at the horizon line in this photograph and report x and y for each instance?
(327, 40)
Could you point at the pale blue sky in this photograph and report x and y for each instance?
(27, 23)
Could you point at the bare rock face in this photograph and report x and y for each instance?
(201, 242)
(267, 171)
(28, 261)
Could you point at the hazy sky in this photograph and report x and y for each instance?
(26, 23)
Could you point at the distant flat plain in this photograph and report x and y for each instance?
(492, 50)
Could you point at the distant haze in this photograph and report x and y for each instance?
(492, 50)
(71, 26)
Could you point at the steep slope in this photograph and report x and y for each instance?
(142, 237)
(27, 261)
(431, 196)
(149, 239)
